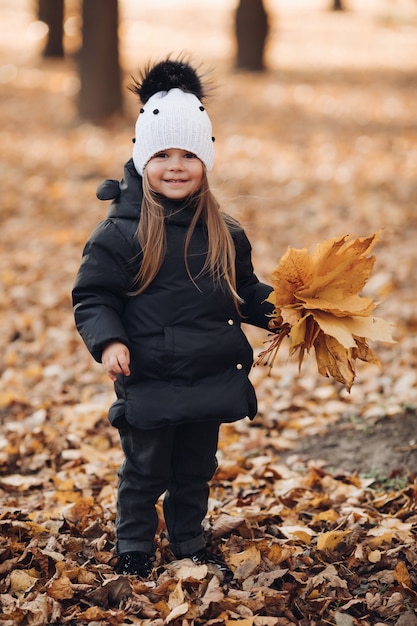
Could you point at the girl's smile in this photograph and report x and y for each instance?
(174, 173)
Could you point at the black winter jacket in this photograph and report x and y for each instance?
(190, 359)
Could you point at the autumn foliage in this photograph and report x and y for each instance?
(315, 517)
(318, 303)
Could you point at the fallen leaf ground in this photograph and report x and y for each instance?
(314, 503)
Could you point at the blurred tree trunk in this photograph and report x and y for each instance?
(337, 5)
(52, 13)
(100, 93)
(251, 25)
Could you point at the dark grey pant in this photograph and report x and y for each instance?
(178, 461)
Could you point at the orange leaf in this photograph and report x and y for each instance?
(61, 589)
(402, 576)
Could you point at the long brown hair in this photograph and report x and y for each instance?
(220, 260)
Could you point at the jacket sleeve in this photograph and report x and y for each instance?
(255, 309)
(100, 290)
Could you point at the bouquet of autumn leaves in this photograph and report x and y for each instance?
(318, 304)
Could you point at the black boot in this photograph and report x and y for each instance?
(136, 563)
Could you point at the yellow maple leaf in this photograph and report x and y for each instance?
(317, 303)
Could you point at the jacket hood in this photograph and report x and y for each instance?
(126, 194)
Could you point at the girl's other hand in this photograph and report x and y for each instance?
(116, 360)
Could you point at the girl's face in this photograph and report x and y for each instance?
(174, 173)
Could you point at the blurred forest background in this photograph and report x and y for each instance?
(318, 141)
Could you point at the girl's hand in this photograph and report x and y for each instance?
(116, 360)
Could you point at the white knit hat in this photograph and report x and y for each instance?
(173, 119)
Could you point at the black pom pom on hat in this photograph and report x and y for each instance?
(167, 75)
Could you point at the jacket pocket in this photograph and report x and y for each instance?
(192, 356)
(148, 360)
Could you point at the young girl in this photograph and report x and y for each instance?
(165, 282)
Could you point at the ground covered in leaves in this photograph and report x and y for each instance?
(314, 503)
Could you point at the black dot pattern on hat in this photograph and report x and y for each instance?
(142, 110)
(155, 111)
(201, 108)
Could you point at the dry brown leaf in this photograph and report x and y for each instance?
(61, 589)
(402, 575)
(225, 523)
(251, 554)
(185, 569)
(96, 614)
(298, 531)
(80, 508)
(176, 612)
(117, 588)
(245, 562)
(330, 540)
(21, 581)
(93, 613)
(390, 528)
(344, 619)
(374, 556)
(176, 597)
(278, 554)
(214, 594)
(328, 577)
(330, 515)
